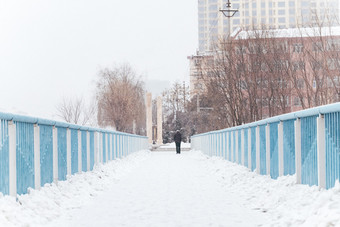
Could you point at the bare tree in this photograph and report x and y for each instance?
(120, 96)
(76, 111)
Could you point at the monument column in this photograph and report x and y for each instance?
(149, 116)
(159, 121)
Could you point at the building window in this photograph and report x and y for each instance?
(213, 7)
(236, 21)
(300, 83)
(254, 12)
(282, 12)
(291, 11)
(254, 5)
(297, 47)
(263, 5)
(263, 13)
(282, 20)
(291, 3)
(297, 101)
(305, 4)
(281, 4)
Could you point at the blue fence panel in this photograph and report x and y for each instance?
(239, 138)
(253, 148)
(229, 145)
(245, 133)
(332, 126)
(234, 146)
(263, 166)
(91, 150)
(4, 157)
(104, 147)
(46, 154)
(84, 151)
(289, 147)
(309, 166)
(74, 151)
(62, 153)
(109, 147)
(24, 156)
(274, 151)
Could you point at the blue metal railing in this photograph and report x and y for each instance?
(305, 143)
(36, 151)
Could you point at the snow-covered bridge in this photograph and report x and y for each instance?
(243, 176)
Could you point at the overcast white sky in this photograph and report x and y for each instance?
(54, 48)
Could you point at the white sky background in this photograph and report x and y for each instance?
(54, 48)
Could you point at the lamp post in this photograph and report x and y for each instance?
(229, 13)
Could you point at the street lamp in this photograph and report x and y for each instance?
(228, 13)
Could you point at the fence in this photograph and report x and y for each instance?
(36, 151)
(305, 143)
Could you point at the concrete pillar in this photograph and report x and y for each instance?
(149, 116)
(159, 120)
(12, 159)
(321, 151)
(298, 150)
(36, 157)
(55, 154)
(280, 146)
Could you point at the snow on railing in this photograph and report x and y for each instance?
(36, 151)
(305, 143)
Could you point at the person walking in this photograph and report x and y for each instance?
(178, 139)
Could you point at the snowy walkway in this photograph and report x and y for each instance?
(166, 190)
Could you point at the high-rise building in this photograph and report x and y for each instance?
(260, 14)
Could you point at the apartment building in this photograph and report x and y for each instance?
(261, 14)
(306, 61)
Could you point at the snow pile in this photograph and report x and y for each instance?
(40, 207)
(166, 189)
(283, 201)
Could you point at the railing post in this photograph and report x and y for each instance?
(228, 150)
(68, 151)
(280, 147)
(242, 147)
(95, 147)
(106, 146)
(298, 150)
(88, 150)
(12, 159)
(79, 151)
(223, 145)
(236, 147)
(36, 136)
(268, 149)
(321, 151)
(249, 148)
(232, 146)
(55, 154)
(258, 149)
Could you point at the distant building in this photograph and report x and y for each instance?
(261, 14)
(312, 55)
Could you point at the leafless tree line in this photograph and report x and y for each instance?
(118, 104)
(262, 75)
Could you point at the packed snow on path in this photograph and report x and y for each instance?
(173, 145)
(168, 189)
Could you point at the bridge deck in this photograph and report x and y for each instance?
(166, 189)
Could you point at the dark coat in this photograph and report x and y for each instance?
(178, 137)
